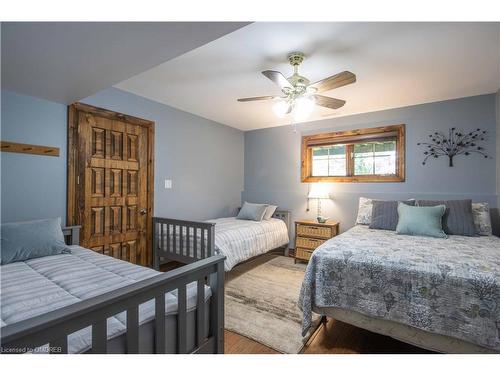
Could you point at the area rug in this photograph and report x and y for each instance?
(261, 302)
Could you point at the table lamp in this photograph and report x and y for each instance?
(319, 192)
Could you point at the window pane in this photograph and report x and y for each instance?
(337, 167)
(385, 157)
(385, 146)
(363, 148)
(320, 151)
(377, 158)
(320, 166)
(329, 160)
(385, 165)
(363, 165)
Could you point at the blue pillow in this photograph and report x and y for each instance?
(421, 221)
(31, 239)
(252, 211)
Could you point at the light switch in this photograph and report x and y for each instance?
(168, 184)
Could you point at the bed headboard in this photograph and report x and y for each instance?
(72, 235)
(283, 215)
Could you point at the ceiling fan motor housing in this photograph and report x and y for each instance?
(299, 82)
(296, 58)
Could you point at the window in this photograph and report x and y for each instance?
(364, 155)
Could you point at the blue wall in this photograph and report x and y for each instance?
(278, 149)
(203, 158)
(33, 187)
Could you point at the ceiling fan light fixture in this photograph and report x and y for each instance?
(281, 108)
(303, 108)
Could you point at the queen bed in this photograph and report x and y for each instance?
(441, 294)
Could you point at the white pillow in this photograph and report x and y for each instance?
(482, 218)
(269, 212)
(364, 211)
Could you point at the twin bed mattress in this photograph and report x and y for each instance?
(449, 287)
(240, 240)
(41, 285)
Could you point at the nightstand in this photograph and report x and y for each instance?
(309, 234)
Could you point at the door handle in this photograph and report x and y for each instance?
(143, 211)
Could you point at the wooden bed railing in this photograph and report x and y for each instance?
(181, 240)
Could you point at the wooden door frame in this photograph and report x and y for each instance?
(74, 195)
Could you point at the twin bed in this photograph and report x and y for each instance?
(237, 240)
(85, 302)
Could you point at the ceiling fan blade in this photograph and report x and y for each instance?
(256, 98)
(325, 101)
(338, 80)
(277, 78)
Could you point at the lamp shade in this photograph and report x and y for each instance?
(319, 191)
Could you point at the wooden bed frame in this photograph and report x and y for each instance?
(54, 327)
(174, 240)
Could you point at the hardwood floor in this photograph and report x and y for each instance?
(333, 338)
(238, 344)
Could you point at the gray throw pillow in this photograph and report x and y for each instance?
(269, 212)
(421, 221)
(252, 211)
(31, 239)
(385, 214)
(458, 218)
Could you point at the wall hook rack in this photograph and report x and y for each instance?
(24, 148)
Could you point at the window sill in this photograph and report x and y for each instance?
(392, 178)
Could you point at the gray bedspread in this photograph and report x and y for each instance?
(41, 285)
(447, 286)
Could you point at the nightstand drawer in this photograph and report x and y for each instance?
(314, 231)
(309, 243)
(303, 254)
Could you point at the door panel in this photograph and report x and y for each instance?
(113, 201)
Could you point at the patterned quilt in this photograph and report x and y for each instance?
(446, 286)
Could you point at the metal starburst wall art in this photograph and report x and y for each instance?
(457, 143)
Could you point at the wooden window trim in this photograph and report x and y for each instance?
(353, 136)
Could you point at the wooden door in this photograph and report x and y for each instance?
(110, 182)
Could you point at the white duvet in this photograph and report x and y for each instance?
(240, 240)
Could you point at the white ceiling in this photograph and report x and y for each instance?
(397, 64)
(68, 61)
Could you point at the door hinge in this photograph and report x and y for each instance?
(78, 180)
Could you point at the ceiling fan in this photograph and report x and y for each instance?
(299, 95)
